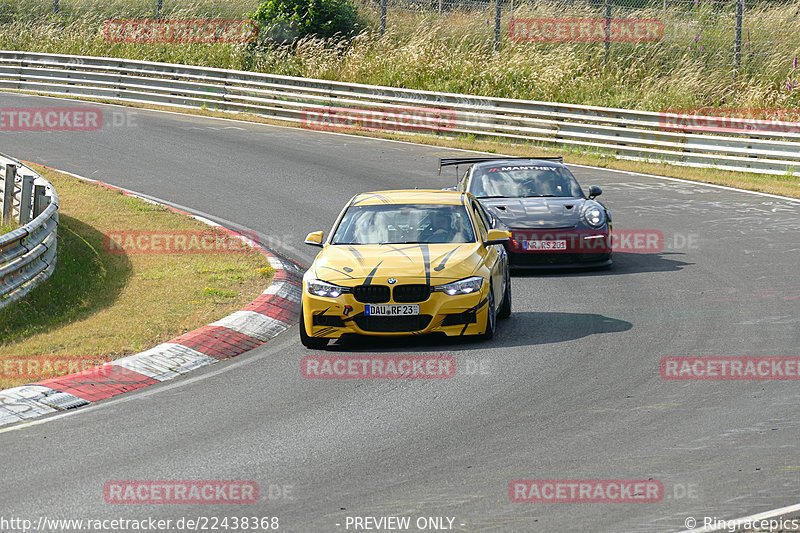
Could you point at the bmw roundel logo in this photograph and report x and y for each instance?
(392, 281)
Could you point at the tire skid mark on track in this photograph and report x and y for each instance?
(265, 317)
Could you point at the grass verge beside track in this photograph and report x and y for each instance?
(100, 305)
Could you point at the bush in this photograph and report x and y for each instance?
(286, 21)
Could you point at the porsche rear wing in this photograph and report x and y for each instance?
(446, 162)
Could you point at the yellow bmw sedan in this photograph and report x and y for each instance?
(406, 262)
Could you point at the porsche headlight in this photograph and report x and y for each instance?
(322, 288)
(593, 214)
(464, 286)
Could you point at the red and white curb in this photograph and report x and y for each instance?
(268, 315)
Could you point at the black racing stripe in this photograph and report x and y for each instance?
(444, 261)
(480, 304)
(436, 321)
(426, 257)
(401, 250)
(323, 332)
(356, 253)
(337, 270)
(464, 330)
(368, 280)
(366, 197)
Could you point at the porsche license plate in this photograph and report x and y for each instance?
(544, 245)
(391, 310)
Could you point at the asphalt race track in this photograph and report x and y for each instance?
(569, 389)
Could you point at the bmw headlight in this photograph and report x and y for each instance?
(322, 288)
(464, 286)
(593, 214)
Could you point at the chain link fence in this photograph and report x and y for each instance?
(755, 39)
(731, 29)
(737, 35)
(124, 9)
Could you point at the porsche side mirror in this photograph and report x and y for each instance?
(314, 238)
(496, 236)
(594, 191)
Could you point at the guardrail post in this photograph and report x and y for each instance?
(29, 254)
(40, 201)
(383, 17)
(159, 5)
(737, 45)
(607, 40)
(25, 200)
(8, 193)
(497, 12)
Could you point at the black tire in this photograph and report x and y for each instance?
(505, 309)
(491, 317)
(309, 342)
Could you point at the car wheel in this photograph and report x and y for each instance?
(505, 309)
(491, 317)
(307, 341)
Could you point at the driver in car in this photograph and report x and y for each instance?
(439, 230)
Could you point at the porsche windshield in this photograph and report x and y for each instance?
(523, 181)
(404, 224)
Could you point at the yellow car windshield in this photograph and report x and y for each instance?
(404, 224)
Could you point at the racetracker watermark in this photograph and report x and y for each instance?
(585, 30)
(585, 491)
(36, 367)
(407, 119)
(730, 368)
(181, 31)
(722, 120)
(51, 119)
(181, 492)
(175, 242)
(635, 241)
(377, 367)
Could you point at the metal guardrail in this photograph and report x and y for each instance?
(626, 134)
(28, 253)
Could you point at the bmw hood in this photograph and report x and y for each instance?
(351, 265)
(536, 212)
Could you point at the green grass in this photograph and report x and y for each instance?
(106, 305)
(691, 67)
(7, 228)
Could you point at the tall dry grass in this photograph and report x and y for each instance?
(692, 66)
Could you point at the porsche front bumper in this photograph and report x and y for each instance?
(583, 249)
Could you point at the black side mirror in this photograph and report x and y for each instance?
(594, 191)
